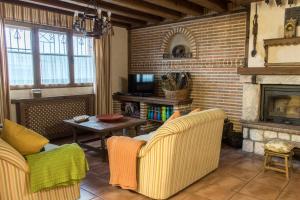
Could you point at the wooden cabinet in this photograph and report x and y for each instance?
(46, 115)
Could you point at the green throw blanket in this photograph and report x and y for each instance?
(65, 165)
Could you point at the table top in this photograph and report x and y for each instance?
(101, 127)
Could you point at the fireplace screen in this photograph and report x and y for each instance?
(280, 104)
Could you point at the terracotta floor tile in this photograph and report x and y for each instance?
(250, 164)
(239, 196)
(242, 173)
(224, 181)
(240, 176)
(187, 196)
(272, 178)
(261, 191)
(291, 191)
(215, 192)
(95, 185)
(115, 193)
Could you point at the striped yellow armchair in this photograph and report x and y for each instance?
(14, 179)
(180, 153)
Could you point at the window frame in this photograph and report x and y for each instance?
(36, 55)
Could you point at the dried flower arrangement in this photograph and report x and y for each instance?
(176, 85)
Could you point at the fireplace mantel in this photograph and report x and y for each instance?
(268, 70)
(283, 128)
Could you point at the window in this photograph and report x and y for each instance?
(19, 55)
(53, 58)
(83, 59)
(39, 57)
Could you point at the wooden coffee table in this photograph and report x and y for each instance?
(103, 130)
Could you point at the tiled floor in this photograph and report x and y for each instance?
(240, 176)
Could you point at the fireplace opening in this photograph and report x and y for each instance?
(280, 104)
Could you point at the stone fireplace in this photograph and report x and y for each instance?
(271, 109)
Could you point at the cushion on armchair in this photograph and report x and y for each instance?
(24, 140)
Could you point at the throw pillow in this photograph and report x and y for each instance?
(22, 139)
(175, 115)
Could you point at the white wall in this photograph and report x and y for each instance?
(119, 67)
(271, 25)
(119, 60)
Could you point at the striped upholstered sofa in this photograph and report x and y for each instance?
(180, 153)
(14, 179)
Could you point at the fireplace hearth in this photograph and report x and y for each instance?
(280, 104)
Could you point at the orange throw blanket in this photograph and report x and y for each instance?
(122, 156)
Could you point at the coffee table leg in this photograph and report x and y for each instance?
(103, 149)
(137, 130)
(75, 138)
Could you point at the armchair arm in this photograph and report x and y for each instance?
(9, 154)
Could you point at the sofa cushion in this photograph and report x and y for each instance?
(22, 139)
(145, 137)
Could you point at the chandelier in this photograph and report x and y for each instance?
(101, 25)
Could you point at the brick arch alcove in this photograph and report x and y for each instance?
(188, 36)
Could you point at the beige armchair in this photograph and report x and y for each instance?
(14, 179)
(180, 153)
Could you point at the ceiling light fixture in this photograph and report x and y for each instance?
(101, 25)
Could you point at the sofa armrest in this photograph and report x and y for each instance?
(10, 155)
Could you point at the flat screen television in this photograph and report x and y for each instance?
(141, 84)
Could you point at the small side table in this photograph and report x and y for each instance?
(283, 167)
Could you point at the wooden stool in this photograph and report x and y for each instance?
(283, 167)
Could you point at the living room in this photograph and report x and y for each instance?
(149, 99)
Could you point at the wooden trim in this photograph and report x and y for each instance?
(70, 57)
(268, 70)
(288, 64)
(279, 42)
(36, 57)
(51, 86)
(14, 101)
(282, 41)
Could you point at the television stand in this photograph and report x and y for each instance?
(140, 94)
(184, 106)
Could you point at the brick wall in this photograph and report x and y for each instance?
(221, 43)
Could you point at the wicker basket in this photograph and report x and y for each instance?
(177, 94)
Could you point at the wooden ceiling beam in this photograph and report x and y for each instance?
(118, 10)
(66, 10)
(180, 6)
(215, 5)
(74, 7)
(244, 2)
(145, 7)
